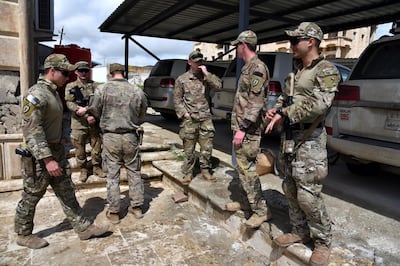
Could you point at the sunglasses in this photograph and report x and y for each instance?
(83, 70)
(65, 73)
(295, 40)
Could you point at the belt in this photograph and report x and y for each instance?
(120, 132)
(304, 126)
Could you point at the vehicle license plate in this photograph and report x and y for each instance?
(344, 114)
(393, 121)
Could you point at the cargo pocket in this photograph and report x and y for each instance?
(310, 165)
(250, 146)
(188, 130)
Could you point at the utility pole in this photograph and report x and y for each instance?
(61, 35)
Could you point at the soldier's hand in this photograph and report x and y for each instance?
(270, 113)
(52, 166)
(274, 121)
(91, 120)
(238, 138)
(204, 70)
(81, 111)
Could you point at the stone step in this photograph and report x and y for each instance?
(212, 197)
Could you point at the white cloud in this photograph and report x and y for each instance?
(80, 21)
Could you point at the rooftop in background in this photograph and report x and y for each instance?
(216, 21)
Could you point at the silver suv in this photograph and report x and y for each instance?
(160, 84)
(363, 124)
(279, 65)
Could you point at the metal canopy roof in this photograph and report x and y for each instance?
(216, 21)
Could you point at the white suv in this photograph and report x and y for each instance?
(363, 124)
(279, 65)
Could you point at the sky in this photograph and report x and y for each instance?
(80, 21)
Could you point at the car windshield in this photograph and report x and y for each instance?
(382, 61)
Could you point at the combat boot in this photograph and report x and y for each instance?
(83, 176)
(187, 179)
(93, 230)
(136, 211)
(98, 171)
(31, 241)
(286, 240)
(206, 175)
(233, 206)
(320, 256)
(256, 220)
(113, 217)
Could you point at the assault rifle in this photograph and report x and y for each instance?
(78, 96)
(289, 142)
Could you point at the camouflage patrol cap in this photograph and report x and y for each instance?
(82, 65)
(58, 61)
(309, 29)
(116, 67)
(196, 55)
(246, 36)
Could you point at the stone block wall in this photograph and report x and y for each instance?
(10, 124)
(10, 103)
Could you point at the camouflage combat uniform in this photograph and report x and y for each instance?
(314, 90)
(119, 106)
(250, 99)
(190, 96)
(42, 130)
(81, 130)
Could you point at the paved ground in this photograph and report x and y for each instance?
(169, 234)
(181, 234)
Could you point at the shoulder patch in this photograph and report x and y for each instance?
(259, 74)
(256, 83)
(30, 103)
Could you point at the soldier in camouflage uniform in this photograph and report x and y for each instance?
(315, 84)
(82, 130)
(119, 106)
(191, 105)
(42, 130)
(251, 96)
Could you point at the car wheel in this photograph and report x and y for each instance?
(363, 169)
(169, 116)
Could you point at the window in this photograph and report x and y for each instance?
(380, 61)
(332, 35)
(44, 15)
(162, 68)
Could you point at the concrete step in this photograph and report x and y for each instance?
(212, 197)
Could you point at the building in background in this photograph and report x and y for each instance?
(343, 44)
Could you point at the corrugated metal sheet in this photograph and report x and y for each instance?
(216, 21)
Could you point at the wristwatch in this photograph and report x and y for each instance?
(280, 112)
(242, 128)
